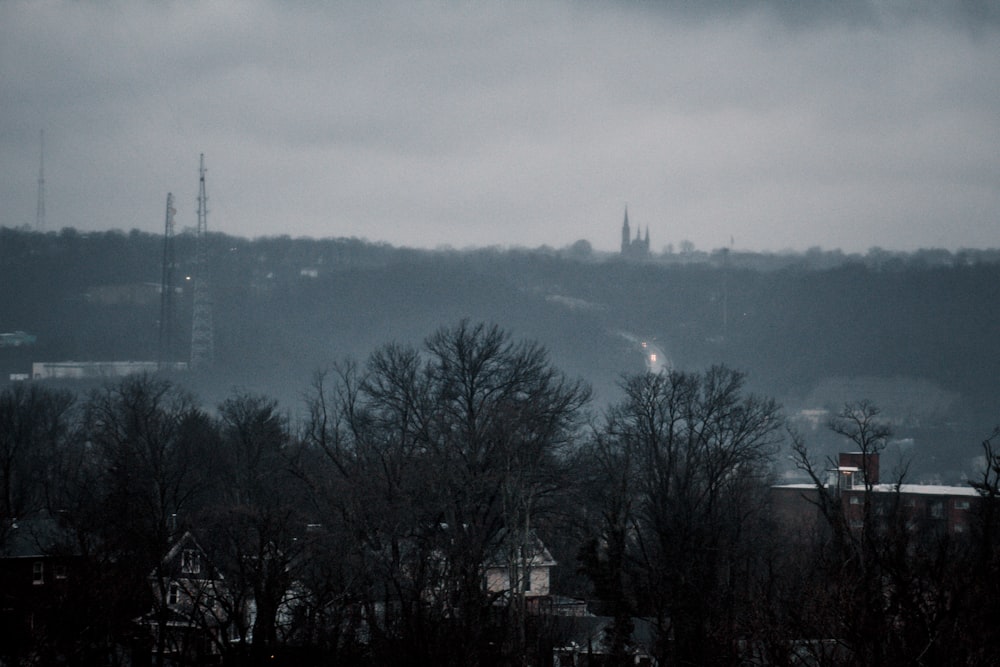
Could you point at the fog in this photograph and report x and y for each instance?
(779, 126)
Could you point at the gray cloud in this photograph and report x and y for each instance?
(427, 123)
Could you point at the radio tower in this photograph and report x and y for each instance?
(202, 336)
(40, 211)
(166, 350)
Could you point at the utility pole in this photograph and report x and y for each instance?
(725, 291)
(40, 211)
(166, 347)
(202, 331)
(725, 295)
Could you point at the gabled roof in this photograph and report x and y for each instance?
(537, 551)
(172, 562)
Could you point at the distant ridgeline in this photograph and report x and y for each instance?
(286, 308)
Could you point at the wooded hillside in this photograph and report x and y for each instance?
(915, 333)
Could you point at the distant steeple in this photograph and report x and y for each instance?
(637, 247)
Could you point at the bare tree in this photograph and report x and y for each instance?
(890, 585)
(441, 455)
(606, 479)
(147, 439)
(34, 422)
(254, 523)
(696, 452)
(36, 425)
(978, 631)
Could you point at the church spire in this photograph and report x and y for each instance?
(637, 247)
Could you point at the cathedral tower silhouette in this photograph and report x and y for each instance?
(637, 247)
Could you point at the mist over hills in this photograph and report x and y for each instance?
(916, 333)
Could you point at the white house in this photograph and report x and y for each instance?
(525, 568)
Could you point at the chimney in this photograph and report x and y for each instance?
(857, 468)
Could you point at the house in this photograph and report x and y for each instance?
(190, 612)
(525, 568)
(37, 572)
(199, 616)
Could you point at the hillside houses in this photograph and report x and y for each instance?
(197, 616)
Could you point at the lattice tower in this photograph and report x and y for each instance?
(167, 346)
(202, 333)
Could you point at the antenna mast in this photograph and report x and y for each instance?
(166, 350)
(40, 211)
(202, 335)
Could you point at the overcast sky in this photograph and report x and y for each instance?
(511, 123)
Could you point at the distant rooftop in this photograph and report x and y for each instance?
(916, 489)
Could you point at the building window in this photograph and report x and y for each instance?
(174, 594)
(59, 571)
(190, 561)
(855, 500)
(959, 527)
(38, 573)
(961, 504)
(937, 510)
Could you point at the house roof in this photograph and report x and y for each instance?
(36, 538)
(171, 561)
(913, 489)
(537, 551)
(929, 489)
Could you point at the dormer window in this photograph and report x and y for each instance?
(190, 561)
